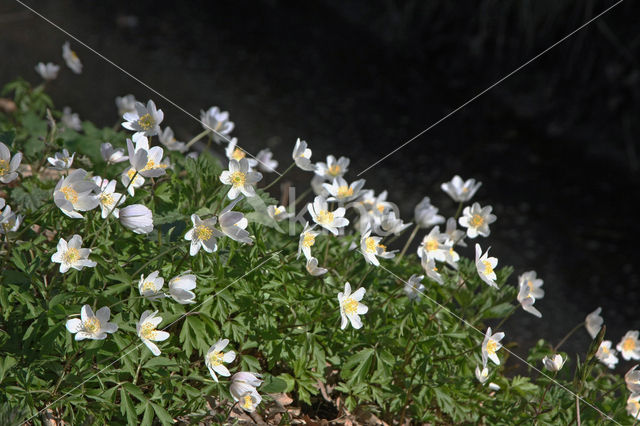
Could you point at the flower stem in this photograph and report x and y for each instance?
(406, 245)
(506, 317)
(569, 334)
(196, 138)
(458, 211)
(545, 394)
(279, 177)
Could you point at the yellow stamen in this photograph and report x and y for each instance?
(238, 154)
(334, 170)
(70, 194)
(106, 199)
(431, 245)
(74, 55)
(380, 208)
(203, 232)
(149, 286)
(130, 173)
(247, 402)
(238, 178)
(488, 270)
(71, 255)
(325, 217)
(628, 345)
(350, 305)
(92, 325)
(476, 221)
(148, 331)
(4, 167)
(146, 122)
(345, 191)
(371, 245)
(215, 358)
(308, 240)
(492, 347)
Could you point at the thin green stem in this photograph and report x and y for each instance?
(406, 245)
(279, 177)
(569, 334)
(196, 138)
(506, 317)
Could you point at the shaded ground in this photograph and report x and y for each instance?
(555, 145)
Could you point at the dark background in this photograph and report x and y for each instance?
(555, 145)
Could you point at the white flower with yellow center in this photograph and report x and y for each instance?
(146, 161)
(430, 267)
(370, 248)
(146, 329)
(391, 224)
(108, 198)
(61, 160)
(350, 306)
(126, 103)
(137, 218)
(278, 213)
(9, 221)
(203, 234)
(459, 190)
(606, 355)
(144, 120)
(632, 380)
(307, 240)
(234, 152)
(477, 220)
(426, 215)
(138, 180)
(180, 288)
(529, 289)
(340, 190)
(243, 390)
(633, 406)
(167, 138)
(71, 120)
(74, 193)
(593, 323)
(629, 346)
(333, 168)
(8, 165)
(482, 374)
(71, 58)
(313, 269)
(150, 287)
(329, 220)
(302, 156)
(485, 266)
(112, 155)
(48, 71)
(90, 326)
(241, 179)
(217, 121)
(554, 363)
(413, 288)
(215, 358)
(490, 346)
(72, 255)
(266, 163)
(454, 234)
(233, 224)
(432, 245)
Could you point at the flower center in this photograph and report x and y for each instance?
(70, 194)
(334, 170)
(71, 255)
(476, 220)
(238, 154)
(530, 285)
(92, 325)
(628, 345)
(492, 346)
(350, 305)
(380, 208)
(106, 199)
(325, 217)
(345, 191)
(431, 245)
(4, 167)
(148, 331)
(247, 402)
(130, 173)
(488, 270)
(149, 286)
(604, 349)
(203, 232)
(372, 247)
(308, 240)
(146, 122)
(74, 55)
(238, 178)
(215, 358)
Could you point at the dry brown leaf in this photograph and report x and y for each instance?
(7, 105)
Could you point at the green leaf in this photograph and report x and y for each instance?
(274, 384)
(135, 391)
(162, 414)
(127, 408)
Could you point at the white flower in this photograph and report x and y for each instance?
(485, 266)
(91, 326)
(494, 386)
(125, 178)
(215, 357)
(278, 213)
(126, 103)
(167, 139)
(47, 71)
(413, 288)
(234, 152)
(350, 306)
(454, 234)
(426, 215)
(429, 266)
(329, 220)
(240, 178)
(203, 234)
(451, 256)
(150, 286)
(137, 218)
(490, 346)
(71, 120)
(307, 239)
(629, 346)
(146, 161)
(593, 323)
(146, 329)
(313, 269)
(554, 363)
(8, 165)
(180, 288)
(72, 255)
(633, 406)
(317, 185)
(112, 155)
(61, 160)
(243, 389)
(482, 374)
(461, 191)
(9, 221)
(606, 355)
(390, 224)
(341, 191)
(144, 120)
(218, 122)
(265, 161)
(71, 59)
(477, 220)
(632, 380)
(247, 378)
(233, 225)
(531, 284)
(74, 193)
(332, 168)
(302, 156)
(108, 198)
(371, 248)
(432, 245)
